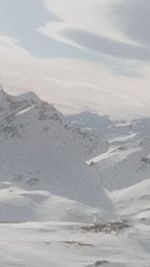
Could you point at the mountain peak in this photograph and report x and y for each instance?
(30, 97)
(3, 94)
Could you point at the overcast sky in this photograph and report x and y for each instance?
(78, 54)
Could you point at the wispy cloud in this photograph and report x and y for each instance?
(115, 28)
(86, 15)
(108, 46)
(132, 17)
(81, 55)
(74, 85)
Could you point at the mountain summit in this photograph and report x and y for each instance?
(40, 152)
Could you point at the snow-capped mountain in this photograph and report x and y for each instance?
(43, 166)
(74, 190)
(122, 159)
(125, 163)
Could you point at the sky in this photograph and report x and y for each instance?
(79, 55)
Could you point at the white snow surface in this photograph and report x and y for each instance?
(40, 152)
(51, 195)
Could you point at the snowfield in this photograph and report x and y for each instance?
(74, 190)
(62, 244)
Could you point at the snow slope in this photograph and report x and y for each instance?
(64, 245)
(134, 201)
(41, 152)
(125, 159)
(54, 210)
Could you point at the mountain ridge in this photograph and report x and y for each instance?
(42, 152)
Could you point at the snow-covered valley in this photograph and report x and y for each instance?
(74, 190)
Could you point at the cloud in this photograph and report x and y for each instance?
(74, 85)
(84, 29)
(108, 46)
(10, 47)
(87, 15)
(117, 29)
(132, 17)
(20, 20)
